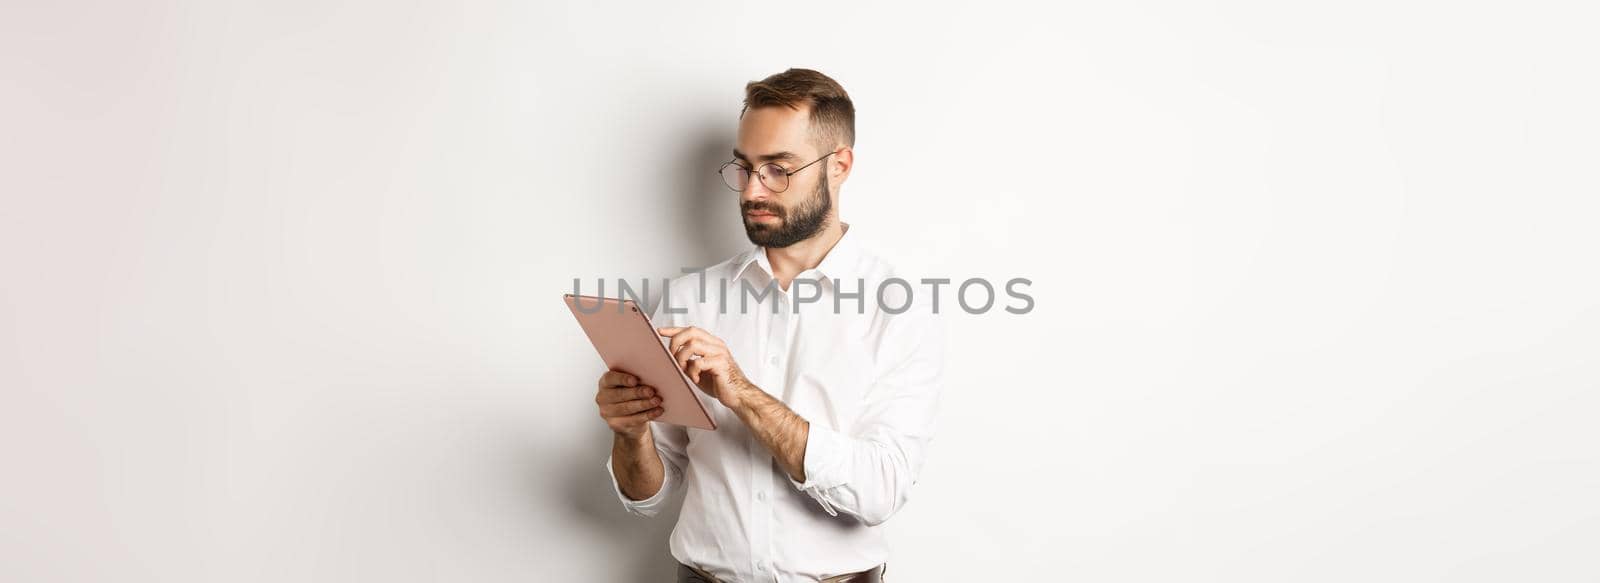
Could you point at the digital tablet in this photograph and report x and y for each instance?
(628, 342)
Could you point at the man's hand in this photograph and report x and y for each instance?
(626, 405)
(707, 362)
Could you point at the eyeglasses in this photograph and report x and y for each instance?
(771, 175)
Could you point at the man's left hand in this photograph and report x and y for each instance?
(707, 362)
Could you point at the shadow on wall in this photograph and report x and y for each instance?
(706, 219)
(637, 545)
(706, 223)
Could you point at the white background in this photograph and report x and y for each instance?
(1316, 285)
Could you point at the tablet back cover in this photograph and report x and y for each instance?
(628, 342)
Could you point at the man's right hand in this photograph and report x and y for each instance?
(625, 405)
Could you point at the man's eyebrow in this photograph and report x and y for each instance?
(784, 156)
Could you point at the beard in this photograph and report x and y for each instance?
(796, 225)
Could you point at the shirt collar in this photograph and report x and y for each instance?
(839, 263)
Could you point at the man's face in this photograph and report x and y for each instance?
(782, 136)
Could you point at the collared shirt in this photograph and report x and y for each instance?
(860, 363)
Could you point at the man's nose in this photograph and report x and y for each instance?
(754, 190)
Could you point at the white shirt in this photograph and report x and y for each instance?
(868, 384)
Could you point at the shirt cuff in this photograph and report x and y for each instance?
(826, 450)
(649, 506)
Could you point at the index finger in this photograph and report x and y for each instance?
(610, 395)
(690, 334)
(617, 378)
(680, 337)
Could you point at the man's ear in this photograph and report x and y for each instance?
(840, 164)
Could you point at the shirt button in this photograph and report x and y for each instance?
(762, 496)
(773, 360)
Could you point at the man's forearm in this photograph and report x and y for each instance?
(778, 427)
(637, 465)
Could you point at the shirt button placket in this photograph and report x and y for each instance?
(761, 462)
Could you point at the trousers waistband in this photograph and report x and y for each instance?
(689, 574)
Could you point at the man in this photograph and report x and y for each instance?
(824, 386)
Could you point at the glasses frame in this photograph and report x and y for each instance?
(759, 176)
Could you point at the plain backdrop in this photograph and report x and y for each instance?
(1316, 284)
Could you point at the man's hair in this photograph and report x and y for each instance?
(833, 116)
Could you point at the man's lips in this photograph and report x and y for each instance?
(760, 215)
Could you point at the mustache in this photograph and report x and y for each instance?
(761, 205)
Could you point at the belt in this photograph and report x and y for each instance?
(688, 574)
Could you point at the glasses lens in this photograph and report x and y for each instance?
(774, 178)
(735, 176)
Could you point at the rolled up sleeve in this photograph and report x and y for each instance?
(868, 471)
(671, 441)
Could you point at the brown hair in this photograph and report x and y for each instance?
(833, 116)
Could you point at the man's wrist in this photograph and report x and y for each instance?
(642, 440)
(744, 396)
